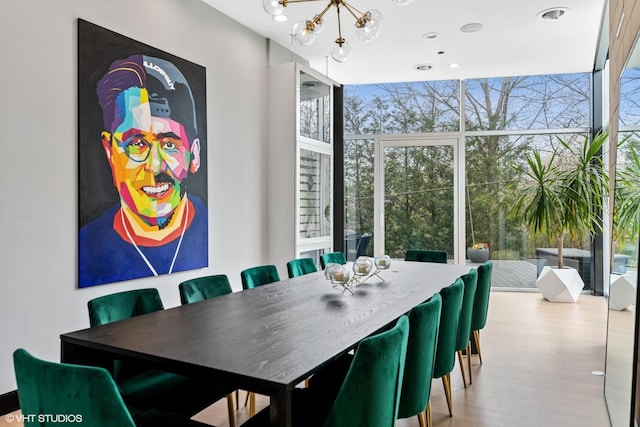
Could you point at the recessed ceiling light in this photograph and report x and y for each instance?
(423, 67)
(280, 18)
(431, 35)
(454, 65)
(553, 13)
(471, 28)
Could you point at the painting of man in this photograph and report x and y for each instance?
(151, 142)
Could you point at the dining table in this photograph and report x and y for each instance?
(268, 339)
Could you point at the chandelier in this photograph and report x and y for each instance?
(304, 32)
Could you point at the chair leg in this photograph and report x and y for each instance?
(252, 404)
(232, 412)
(476, 338)
(446, 383)
(246, 399)
(428, 412)
(421, 419)
(237, 399)
(464, 380)
(469, 362)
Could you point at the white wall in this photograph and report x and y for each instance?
(39, 298)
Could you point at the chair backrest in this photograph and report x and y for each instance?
(301, 266)
(202, 288)
(123, 305)
(448, 333)
(426, 255)
(424, 321)
(332, 257)
(120, 306)
(85, 394)
(363, 243)
(470, 281)
(370, 393)
(481, 303)
(258, 276)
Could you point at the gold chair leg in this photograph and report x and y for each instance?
(464, 380)
(476, 338)
(446, 383)
(252, 404)
(421, 419)
(469, 362)
(428, 411)
(232, 412)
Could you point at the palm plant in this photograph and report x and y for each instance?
(564, 200)
(626, 216)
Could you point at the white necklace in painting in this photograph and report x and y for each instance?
(185, 216)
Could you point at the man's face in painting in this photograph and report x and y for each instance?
(150, 156)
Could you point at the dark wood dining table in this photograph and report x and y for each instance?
(268, 339)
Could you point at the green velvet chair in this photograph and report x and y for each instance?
(252, 277)
(202, 288)
(150, 387)
(448, 335)
(369, 394)
(332, 257)
(463, 342)
(87, 395)
(258, 276)
(424, 321)
(426, 255)
(481, 304)
(301, 266)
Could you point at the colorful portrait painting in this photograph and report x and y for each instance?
(142, 160)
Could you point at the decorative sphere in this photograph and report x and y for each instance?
(339, 274)
(362, 266)
(382, 262)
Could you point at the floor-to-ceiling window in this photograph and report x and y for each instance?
(427, 190)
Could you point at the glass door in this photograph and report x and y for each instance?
(418, 196)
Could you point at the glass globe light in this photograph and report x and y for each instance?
(319, 24)
(341, 53)
(328, 268)
(376, 16)
(303, 34)
(273, 7)
(362, 266)
(339, 274)
(382, 262)
(366, 34)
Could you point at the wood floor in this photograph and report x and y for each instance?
(539, 360)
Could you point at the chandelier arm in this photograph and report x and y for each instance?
(353, 11)
(285, 2)
(340, 40)
(320, 15)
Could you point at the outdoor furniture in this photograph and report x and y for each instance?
(579, 259)
(357, 246)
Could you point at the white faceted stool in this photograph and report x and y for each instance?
(622, 291)
(560, 284)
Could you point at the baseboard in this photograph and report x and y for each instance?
(9, 402)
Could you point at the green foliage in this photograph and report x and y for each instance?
(419, 183)
(565, 199)
(627, 200)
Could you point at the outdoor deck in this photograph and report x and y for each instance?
(516, 274)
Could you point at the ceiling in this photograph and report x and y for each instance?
(513, 40)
